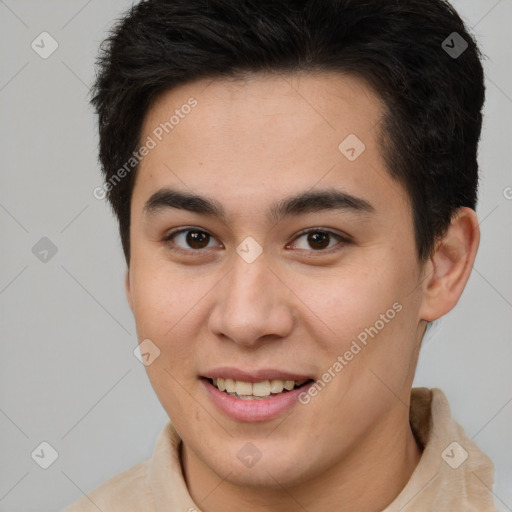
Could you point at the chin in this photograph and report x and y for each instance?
(275, 469)
(268, 476)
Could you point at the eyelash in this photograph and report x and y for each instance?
(343, 239)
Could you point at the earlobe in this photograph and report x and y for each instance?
(451, 265)
(127, 289)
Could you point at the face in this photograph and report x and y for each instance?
(270, 244)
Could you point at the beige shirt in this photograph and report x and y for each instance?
(452, 475)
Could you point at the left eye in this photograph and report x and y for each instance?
(318, 240)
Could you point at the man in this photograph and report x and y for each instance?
(295, 184)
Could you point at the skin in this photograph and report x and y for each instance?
(249, 144)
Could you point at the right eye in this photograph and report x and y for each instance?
(189, 240)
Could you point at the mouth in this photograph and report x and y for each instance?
(255, 395)
(263, 390)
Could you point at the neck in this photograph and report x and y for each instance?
(369, 478)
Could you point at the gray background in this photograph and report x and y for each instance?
(68, 373)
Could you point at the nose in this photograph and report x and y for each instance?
(253, 304)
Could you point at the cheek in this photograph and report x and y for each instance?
(347, 302)
(160, 294)
(164, 307)
(366, 315)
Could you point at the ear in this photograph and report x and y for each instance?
(448, 270)
(127, 288)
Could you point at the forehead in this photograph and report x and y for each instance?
(266, 133)
(317, 104)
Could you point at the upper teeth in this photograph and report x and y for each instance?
(263, 388)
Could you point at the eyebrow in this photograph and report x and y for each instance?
(300, 204)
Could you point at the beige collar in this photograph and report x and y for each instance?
(453, 474)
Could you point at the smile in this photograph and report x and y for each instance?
(257, 401)
(256, 390)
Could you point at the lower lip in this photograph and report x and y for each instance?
(253, 410)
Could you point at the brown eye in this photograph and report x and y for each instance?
(189, 240)
(319, 240)
(197, 239)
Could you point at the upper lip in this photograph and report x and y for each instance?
(254, 375)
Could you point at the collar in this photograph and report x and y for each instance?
(453, 473)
